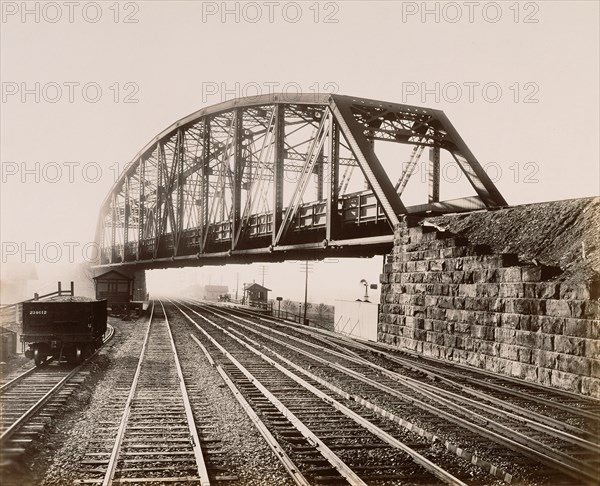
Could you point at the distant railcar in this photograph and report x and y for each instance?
(69, 330)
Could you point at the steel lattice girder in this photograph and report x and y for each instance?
(219, 176)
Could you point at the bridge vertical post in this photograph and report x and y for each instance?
(278, 169)
(205, 166)
(126, 218)
(180, 192)
(434, 174)
(141, 205)
(238, 171)
(159, 196)
(113, 234)
(333, 182)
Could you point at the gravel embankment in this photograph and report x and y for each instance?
(561, 234)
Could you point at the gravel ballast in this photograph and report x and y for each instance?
(240, 447)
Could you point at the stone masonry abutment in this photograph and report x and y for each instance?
(446, 298)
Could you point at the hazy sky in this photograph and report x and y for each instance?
(86, 85)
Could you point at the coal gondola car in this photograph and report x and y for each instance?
(70, 330)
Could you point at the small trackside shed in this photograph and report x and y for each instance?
(115, 287)
(256, 294)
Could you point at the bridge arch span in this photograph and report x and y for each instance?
(276, 177)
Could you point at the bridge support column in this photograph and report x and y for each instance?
(434, 174)
(278, 170)
(332, 221)
(139, 285)
(238, 172)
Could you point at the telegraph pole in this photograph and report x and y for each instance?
(305, 268)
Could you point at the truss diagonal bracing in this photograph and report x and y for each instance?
(278, 176)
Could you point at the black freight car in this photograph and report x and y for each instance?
(70, 330)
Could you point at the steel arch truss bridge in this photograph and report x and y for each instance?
(279, 177)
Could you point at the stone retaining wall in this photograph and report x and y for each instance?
(444, 298)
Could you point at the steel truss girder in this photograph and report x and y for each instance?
(207, 174)
(368, 161)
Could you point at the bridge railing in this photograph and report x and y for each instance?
(354, 209)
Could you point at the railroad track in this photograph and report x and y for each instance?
(325, 441)
(29, 400)
(554, 407)
(486, 422)
(154, 437)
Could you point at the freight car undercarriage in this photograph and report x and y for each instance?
(73, 349)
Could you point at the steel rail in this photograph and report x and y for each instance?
(558, 459)
(409, 426)
(477, 404)
(438, 373)
(431, 369)
(541, 451)
(330, 337)
(8, 433)
(333, 459)
(429, 466)
(287, 462)
(544, 389)
(441, 375)
(200, 463)
(23, 375)
(432, 393)
(112, 463)
(540, 427)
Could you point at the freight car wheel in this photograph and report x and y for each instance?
(39, 357)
